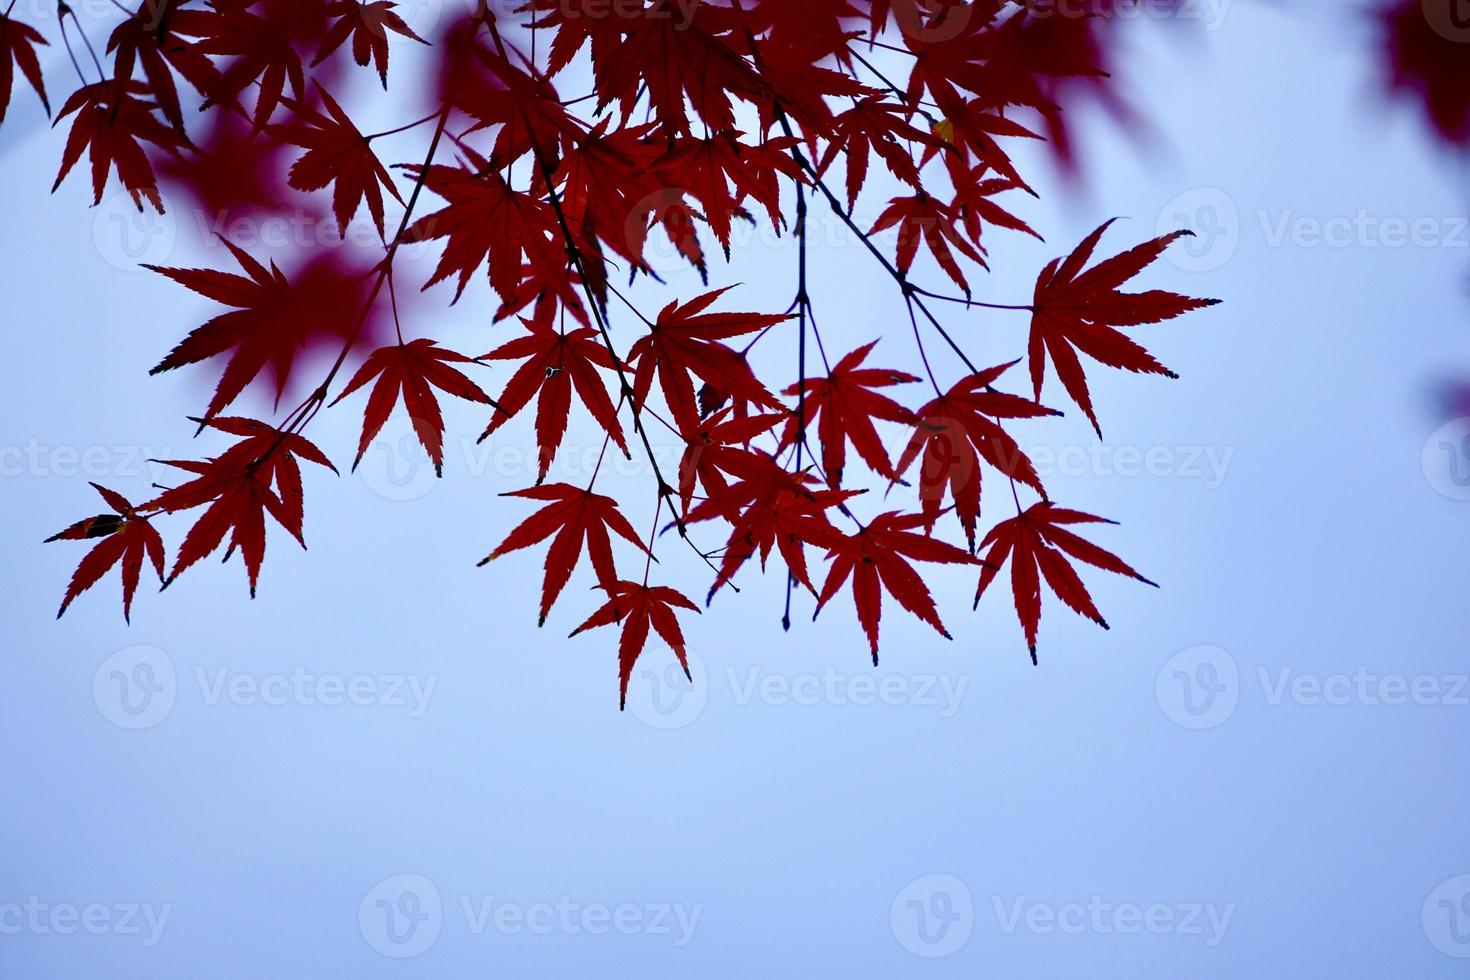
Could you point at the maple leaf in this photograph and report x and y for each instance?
(556, 362)
(111, 120)
(18, 49)
(685, 341)
(874, 125)
(148, 38)
(843, 405)
(958, 429)
(1079, 311)
(679, 220)
(639, 607)
(792, 65)
(1037, 543)
(272, 319)
(580, 519)
(920, 217)
(820, 27)
(127, 537)
(676, 61)
(258, 475)
(412, 370)
(878, 557)
(947, 61)
(1426, 62)
(973, 205)
(368, 25)
(523, 107)
(338, 154)
(709, 168)
(259, 49)
(969, 130)
(789, 519)
(720, 446)
(608, 186)
(487, 222)
(1047, 65)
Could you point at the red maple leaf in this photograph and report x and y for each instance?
(580, 519)
(608, 186)
(337, 154)
(958, 429)
(368, 25)
(720, 446)
(258, 475)
(685, 341)
(412, 370)
(271, 320)
(874, 125)
(487, 222)
(112, 121)
(556, 363)
(259, 49)
(878, 557)
(1038, 545)
(922, 218)
(18, 49)
(722, 172)
(149, 38)
(127, 537)
(673, 60)
(523, 108)
(639, 607)
(843, 406)
(788, 519)
(1079, 311)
